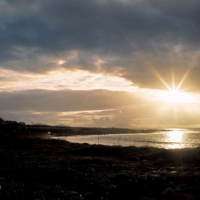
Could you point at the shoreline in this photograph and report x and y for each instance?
(37, 168)
(117, 142)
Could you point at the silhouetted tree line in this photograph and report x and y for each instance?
(12, 126)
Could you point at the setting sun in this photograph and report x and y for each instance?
(174, 96)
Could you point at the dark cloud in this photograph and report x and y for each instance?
(111, 28)
(76, 108)
(61, 101)
(126, 34)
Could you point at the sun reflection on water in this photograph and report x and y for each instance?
(175, 137)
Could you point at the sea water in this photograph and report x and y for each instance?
(169, 139)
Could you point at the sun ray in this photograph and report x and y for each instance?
(159, 76)
(173, 78)
(174, 95)
(173, 87)
(185, 89)
(186, 73)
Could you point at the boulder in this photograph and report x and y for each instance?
(169, 192)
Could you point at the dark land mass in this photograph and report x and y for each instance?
(66, 131)
(33, 167)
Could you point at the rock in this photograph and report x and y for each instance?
(87, 194)
(111, 187)
(180, 187)
(121, 177)
(142, 176)
(190, 196)
(168, 192)
(159, 161)
(172, 173)
(73, 193)
(164, 172)
(196, 172)
(171, 185)
(71, 170)
(136, 158)
(152, 169)
(76, 198)
(130, 166)
(60, 193)
(60, 175)
(147, 198)
(90, 170)
(171, 168)
(155, 175)
(114, 165)
(61, 159)
(181, 169)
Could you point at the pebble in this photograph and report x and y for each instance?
(168, 192)
(181, 169)
(76, 198)
(164, 172)
(87, 194)
(196, 172)
(155, 175)
(73, 193)
(173, 172)
(121, 176)
(159, 161)
(90, 170)
(114, 165)
(180, 187)
(61, 159)
(171, 185)
(111, 187)
(190, 196)
(171, 168)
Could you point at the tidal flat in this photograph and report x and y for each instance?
(34, 167)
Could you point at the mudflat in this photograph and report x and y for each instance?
(38, 168)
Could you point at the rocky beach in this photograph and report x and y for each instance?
(37, 167)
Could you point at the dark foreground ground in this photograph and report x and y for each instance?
(35, 168)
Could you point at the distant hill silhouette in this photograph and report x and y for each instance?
(40, 124)
(62, 125)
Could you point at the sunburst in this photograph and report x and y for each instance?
(174, 94)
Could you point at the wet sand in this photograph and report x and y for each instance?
(38, 168)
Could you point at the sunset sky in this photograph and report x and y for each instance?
(100, 63)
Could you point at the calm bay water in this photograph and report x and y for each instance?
(169, 139)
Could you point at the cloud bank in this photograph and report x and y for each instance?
(121, 39)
